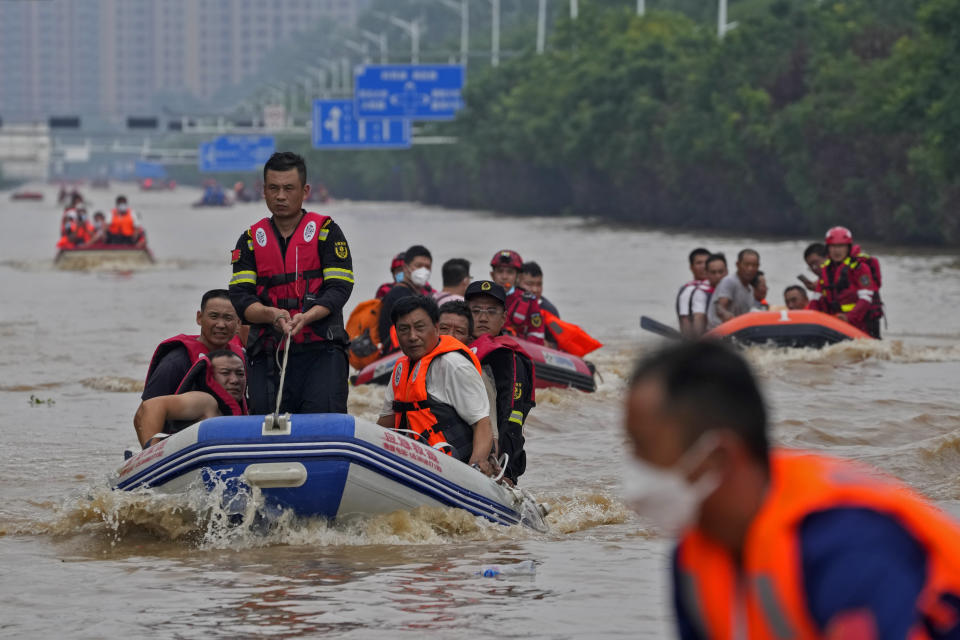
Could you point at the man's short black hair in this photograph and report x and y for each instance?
(717, 256)
(218, 353)
(708, 385)
(408, 304)
(119, 198)
(699, 251)
(454, 271)
(460, 308)
(815, 248)
(213, 293)
(414, 251)
(756, 278)
(532, 269)
(797, 287)
(284, 161)
(744, 252)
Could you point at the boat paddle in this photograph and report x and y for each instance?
(659, 328)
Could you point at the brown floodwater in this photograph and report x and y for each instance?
(79, 560)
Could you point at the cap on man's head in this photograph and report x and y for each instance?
(485, 288)
(507, 257)
(397, 262)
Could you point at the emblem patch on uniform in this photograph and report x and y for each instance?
(261, 237)
(517, 390)
(485, 286)
(536, 320)
(234, 255)
(397, 374)
(340, 248)
(864, 280)
(309, 231)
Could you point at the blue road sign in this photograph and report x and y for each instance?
(235, 153)
(415, 92)
(336, 127)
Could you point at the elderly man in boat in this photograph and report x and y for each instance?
(216, 386)
(436, 394)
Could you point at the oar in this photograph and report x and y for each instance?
(659, 328)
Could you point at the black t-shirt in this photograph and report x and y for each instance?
(549, 306)
(168, 374)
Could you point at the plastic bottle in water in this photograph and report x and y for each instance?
(525, 568)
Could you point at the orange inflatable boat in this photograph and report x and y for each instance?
(787, 329)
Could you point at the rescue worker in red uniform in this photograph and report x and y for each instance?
(216, 386)
(292, 275)
(777, 544)
(508, 368)
(846, 287)
(173, 358)
(524, 319)
(396, 270)
(436, 394)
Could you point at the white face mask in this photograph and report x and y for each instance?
(420, 276)
(663, 495)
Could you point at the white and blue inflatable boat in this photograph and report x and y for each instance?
(329, 465)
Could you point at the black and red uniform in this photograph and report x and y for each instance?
(524, 319)
(313, 267)
(514, 377)
(848, 287)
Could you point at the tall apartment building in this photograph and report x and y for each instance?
(113, 57)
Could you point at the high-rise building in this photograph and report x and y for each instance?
(115, 57)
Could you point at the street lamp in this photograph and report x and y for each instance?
(495, 34)
(412, 29)
(641, 7)
(574, 9)
(362, 48)
(464, 10)
(722, 25)
(380, 39)
(541, 26)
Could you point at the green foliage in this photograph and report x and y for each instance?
(807, 114)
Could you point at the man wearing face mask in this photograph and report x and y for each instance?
(777, 543)
(416, 274)
(123, 227)
(396, 272)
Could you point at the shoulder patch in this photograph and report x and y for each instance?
(517, 390)
(234, 255)
(340, 248)
(536, 320)
(864, 280)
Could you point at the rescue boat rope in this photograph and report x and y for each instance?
(283, 374)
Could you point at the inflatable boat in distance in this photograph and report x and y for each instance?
(786, 328)
(329, 465)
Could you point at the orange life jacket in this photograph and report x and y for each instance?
(568, 336)
(434, 422)
(283, 280)
(364, 333)
(767, 594)
(121, 224)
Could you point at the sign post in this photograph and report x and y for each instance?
(412, 92)
(335, 126)
(235, 153)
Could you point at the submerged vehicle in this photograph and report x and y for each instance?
(329, 465)
(553, 368)
(801, 328)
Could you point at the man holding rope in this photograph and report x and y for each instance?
(292, 275)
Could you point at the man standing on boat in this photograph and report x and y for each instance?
(507, 366)
(524, 319)
(436, 393)
(292, 275)
(777, 543)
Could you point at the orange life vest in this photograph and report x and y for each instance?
(434, 422)
(765, 596)
(283, 280)
(364, 333)
(121, 224)
(568, 336)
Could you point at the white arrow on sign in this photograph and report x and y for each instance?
(332, 123)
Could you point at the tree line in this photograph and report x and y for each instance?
(806, 115)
